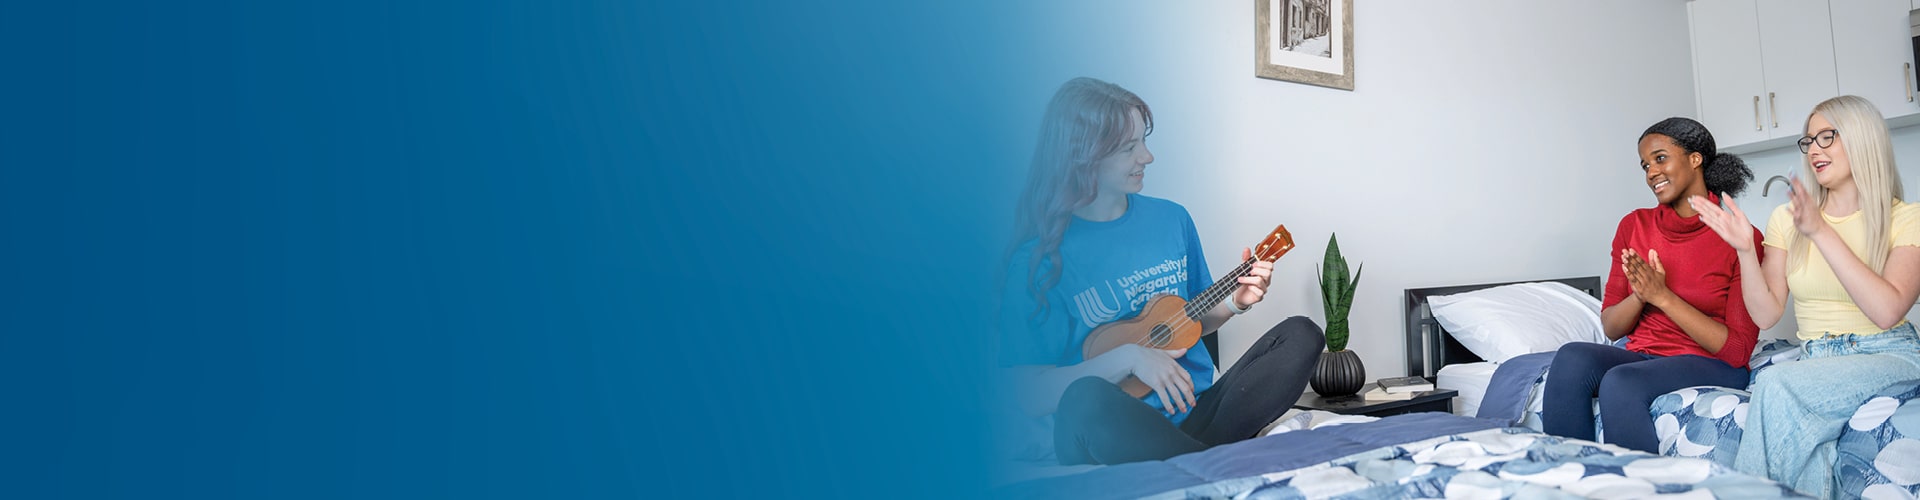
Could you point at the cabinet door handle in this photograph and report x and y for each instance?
(1756, 114)
(1773, 110)
(1909, 74)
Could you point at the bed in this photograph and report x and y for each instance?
(1877, 456)
(1435, 353)
(1421, 455)
(1418, 455)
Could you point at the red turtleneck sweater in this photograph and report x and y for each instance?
(1701, 269)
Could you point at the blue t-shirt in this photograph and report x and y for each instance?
(1113, 269)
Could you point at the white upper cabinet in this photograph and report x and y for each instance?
(1728, 83)
(1759, 67)
(1873, 53)
(1796, 48)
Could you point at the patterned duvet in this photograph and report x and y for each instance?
(1878, 454)
(1429, 455)
(1508, 463)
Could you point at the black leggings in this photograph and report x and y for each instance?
(1098, 423)
(1627, 383)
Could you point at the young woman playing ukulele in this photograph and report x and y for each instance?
(1089, 250)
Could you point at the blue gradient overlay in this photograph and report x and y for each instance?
(502, 249)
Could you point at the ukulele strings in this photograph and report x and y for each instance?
(1212, 294)
(1160, 339)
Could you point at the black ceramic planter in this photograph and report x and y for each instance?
(1339, 374)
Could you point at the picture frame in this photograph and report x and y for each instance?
(1304, 41)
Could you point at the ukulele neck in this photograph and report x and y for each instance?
(1219, 291)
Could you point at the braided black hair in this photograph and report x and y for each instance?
(1723, 172)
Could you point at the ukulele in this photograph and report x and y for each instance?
(1170, 322)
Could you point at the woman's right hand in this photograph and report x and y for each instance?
(1157, 368)
(1731, 224)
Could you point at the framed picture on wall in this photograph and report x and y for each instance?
(1304, 41)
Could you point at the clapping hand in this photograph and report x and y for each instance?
(1806, 216)
(1646, 276)
(1731, 224)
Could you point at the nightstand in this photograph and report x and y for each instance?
(1438, 400)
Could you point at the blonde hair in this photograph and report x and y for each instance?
(1863, 135)
(1087, 120)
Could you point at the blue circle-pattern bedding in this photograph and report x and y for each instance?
(1878, 455)
(1771, 353)
(1707, 421)
(1507, 463)
(1701, 422)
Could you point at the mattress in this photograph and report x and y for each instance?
(1471, 380)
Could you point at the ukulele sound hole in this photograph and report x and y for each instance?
(1161, 336)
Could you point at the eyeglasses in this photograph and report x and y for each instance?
(1824, 139)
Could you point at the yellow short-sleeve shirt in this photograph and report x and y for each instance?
(1820, 304)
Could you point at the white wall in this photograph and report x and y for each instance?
(1906, 153)
(1485, 141)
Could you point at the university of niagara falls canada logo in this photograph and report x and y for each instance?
(1105, 301)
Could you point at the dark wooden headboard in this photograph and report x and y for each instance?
(1429, 347)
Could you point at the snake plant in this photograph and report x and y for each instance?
(1336, 292)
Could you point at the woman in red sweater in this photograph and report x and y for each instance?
(1674, 292)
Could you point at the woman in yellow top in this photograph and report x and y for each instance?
(1848, 249)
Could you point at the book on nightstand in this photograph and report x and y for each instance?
(1399, 385)
(1380, 394)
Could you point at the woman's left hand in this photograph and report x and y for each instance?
(1253, 286)
(1806, 213)
(1646, 276)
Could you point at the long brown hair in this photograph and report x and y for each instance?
(1087, 120)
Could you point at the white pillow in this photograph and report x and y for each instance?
(1502, 322)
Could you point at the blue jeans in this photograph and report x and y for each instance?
(1626, 382)
(1800, 408)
